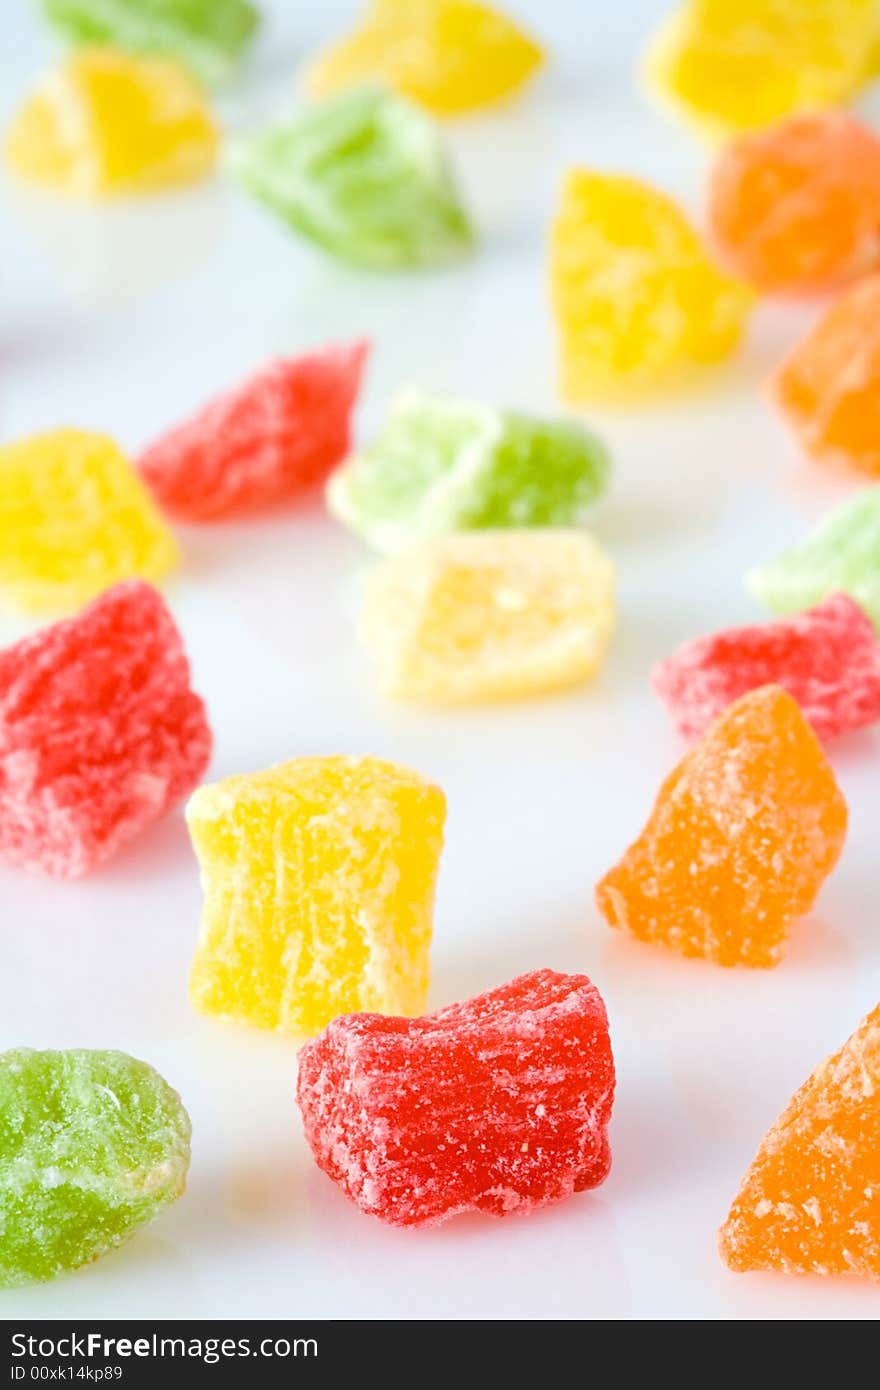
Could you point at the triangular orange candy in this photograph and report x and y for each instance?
(740, 839)
(810, 1203)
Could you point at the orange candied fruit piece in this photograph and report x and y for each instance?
(828, 388)
(740, 839)
(810, 1202)
(797, 206)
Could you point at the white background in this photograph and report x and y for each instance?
(123, 319)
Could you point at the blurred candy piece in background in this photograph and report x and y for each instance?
(450, 56)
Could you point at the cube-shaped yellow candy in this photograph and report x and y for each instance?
(108, 122)
(486, 615)
(74, 519)
(319, 880)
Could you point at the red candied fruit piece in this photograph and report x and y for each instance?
(499, 1104)
(827, 658)
(276, 435)
(100, 733)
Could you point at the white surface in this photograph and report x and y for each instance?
(125, 318)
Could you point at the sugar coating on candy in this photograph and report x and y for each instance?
(810, 1202)
(208, 36)
(840, 555)
(734, 65)
(100, 732)
(276, 435)
(107, 122)
(92, 1146)
(318, 877)
(797, 206)
(828, 659)
(828, 388)
(364, 175)
(741, 837)
(638, 301)
(74, 518)
(442, 465)
(499, 1104)
(489, 615)
(448, 55)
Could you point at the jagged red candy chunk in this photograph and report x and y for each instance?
(499, 1104)
(100, 732)
(278, 434)
(827, 658)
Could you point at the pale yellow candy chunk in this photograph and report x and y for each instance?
(318, 877)
(490, 615)
(638, 301)
(107, 122)
(75, 518)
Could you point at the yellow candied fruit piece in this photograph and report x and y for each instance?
(735, 65)
(636, 298)
(318, 877)
(74, 518)
(106, 122)
(490, 615)
(448, 55)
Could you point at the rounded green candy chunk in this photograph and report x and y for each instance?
(842, 555)
(92, 1145)
(442, 465)
(365, 175)
(207, 36)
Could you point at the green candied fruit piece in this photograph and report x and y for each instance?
(442, 465)
(92, 1145)
(545, 473)
(842, 555)
(365, 175)
(207, 36)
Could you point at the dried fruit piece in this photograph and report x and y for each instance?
(448, 55)
(732, 65)
(828, 388)
(740, 839)
(828, 659)
(100, 733)
(500, 1104)
(92, 1146)
(276, 435)
(490, 615)
(319, 890)
(208, 36)
(797, 206)
(810, 1202)
(74, 518)
(107, 122)
(365, 176)
(443, 465)
(841, 555)
(637, 299)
